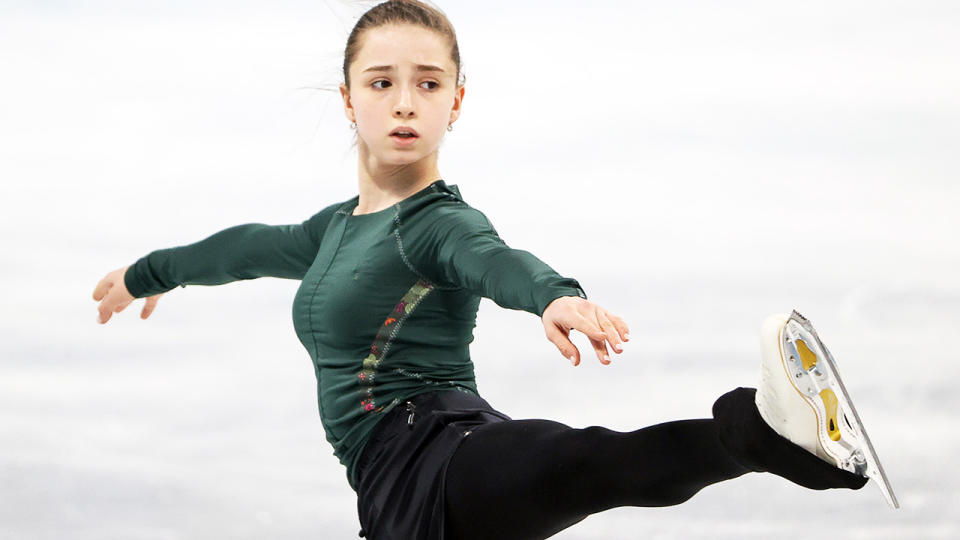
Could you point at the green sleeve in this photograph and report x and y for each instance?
(470, 254)
(247, 251)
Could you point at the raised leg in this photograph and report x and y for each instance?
(529, 479)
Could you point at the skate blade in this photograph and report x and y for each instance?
(845, 438)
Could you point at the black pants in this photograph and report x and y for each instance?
(529, 479)
(525, 479)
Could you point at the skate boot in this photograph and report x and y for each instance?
(802, 397)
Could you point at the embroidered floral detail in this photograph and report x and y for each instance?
(386, 334)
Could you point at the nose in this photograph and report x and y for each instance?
(403, 107)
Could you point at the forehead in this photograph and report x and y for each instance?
(403, 46)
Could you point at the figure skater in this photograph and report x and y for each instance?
(391, 280)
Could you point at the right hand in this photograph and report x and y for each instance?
(568, 313)
(114, 297)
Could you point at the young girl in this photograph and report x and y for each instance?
(391, 282)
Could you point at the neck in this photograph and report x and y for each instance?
(382, 185)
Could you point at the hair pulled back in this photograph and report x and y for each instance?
(401, 12)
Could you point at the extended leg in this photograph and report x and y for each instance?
(528, 479)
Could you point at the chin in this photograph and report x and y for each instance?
(401, 157)
(407, 153)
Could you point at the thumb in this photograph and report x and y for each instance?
(560, 338)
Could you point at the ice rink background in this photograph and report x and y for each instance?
(695, 165)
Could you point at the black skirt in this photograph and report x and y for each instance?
(401, 470)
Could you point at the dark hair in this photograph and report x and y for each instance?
(401, 12)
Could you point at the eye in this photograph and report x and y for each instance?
(434, 83)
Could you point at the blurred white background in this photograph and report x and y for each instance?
(696, 165)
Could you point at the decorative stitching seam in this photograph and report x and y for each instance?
(419, 376)
(403, 254)
(313, 297)
(383, 340)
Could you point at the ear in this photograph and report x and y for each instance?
(347, 106)
(457, 103)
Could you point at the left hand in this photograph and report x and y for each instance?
(574, 313)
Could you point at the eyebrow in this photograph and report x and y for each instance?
(420, 67)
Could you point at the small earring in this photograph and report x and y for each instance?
(449, 127)
(353, 125)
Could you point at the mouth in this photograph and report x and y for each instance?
(404, 132)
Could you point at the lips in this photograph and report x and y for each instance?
(404, 131)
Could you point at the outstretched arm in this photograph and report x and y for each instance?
(241, 252)
(247, 251)
(471, 254)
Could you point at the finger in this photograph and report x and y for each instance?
(596, 336)
(150, 305)
(106, 308)
(101, 289)
(622, 329)
(589, 327)
(560, 338)
(600, 346)
(613, 336)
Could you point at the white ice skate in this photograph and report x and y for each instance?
(803, 399)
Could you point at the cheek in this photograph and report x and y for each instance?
(437, 122)
(369, 123)
(367, 110)
(365, 116)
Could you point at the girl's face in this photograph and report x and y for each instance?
(402, 76)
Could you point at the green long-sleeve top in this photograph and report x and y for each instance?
(387, 301)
